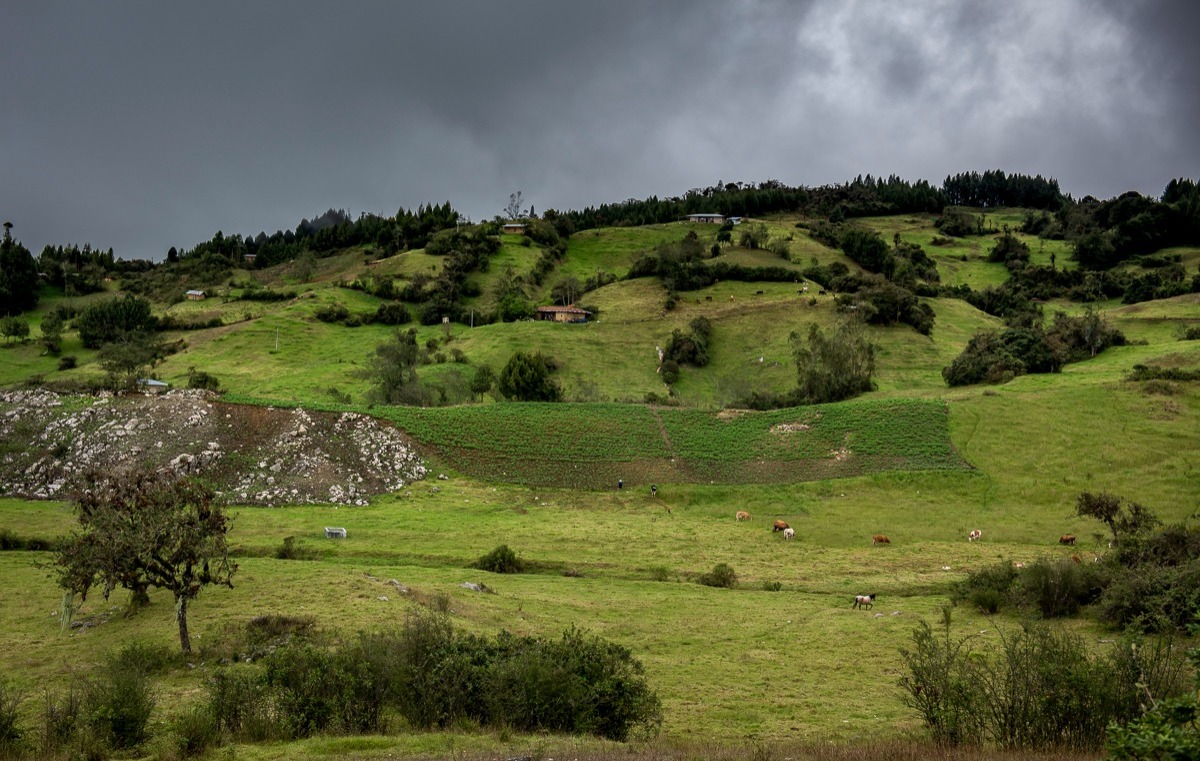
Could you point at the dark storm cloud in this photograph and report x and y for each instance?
(146, 125)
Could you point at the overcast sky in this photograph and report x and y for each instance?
(142, 125)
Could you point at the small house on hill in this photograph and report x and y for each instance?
(196, 295)
(707, 218)
(514, 228)
(563, 314)
(151, 385)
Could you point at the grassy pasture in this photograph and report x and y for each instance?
(736, 668)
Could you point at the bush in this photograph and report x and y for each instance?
(106, 321)
(10, 541)
(1151, 597)
(195, 731)
(289, 551)
(500, 560)
(67, 362)
(61, 719)
(722, 575)
(434, 677)
(240, 703)
(1059, 587)
(332, 313)
(10, 704)
(315, 689)
(202, 380)
(660, 573)
(1039, 688)
(526, 378)
(580, 684)
(987, 589)
(392, 313)
(117, 701)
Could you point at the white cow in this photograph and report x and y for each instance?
(789, 533)
(975, 534)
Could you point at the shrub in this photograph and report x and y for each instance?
(67, 362)
(10, 704)
(106, 321)
(202, 380)
(580, 684)
(61, 719)
(772, 586)
(1152, 597)
(10, 541)
(660, 573)
(195, 731)
(940, 685)
(1059, 587)
(332, 313)
(500, 560)
(315, 689)
(240, 704)
(1039, 688)
(117, 700)
(987, 589)
(392, 313)
(289, 551)
(722, 575)
(526, 378)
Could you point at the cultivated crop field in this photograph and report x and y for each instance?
(592, 445)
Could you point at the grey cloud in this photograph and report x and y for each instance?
(145, 125)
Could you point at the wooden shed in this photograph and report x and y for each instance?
(563, 314)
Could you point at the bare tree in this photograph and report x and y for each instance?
(513, 210)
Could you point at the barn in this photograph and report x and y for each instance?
(570, 313)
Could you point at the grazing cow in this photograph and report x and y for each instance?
(1067, 539)
(780, 526)
(759, 293)
(1076, 559)
(742, 515)
(880, 539)
(789, 533)
(866, 602)
(975, 534)
(1018, 564)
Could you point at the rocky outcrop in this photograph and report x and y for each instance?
(250, 455)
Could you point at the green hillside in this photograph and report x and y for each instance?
(781, 655)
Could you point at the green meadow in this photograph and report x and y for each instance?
(781, 658)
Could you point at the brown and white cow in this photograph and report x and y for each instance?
(1067, 539)
(742, 515)
(880, 539)
(780, 526)
(975, 534)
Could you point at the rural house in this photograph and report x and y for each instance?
(196, 295)
(514, 228)
(563, 314)
(708, 218)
